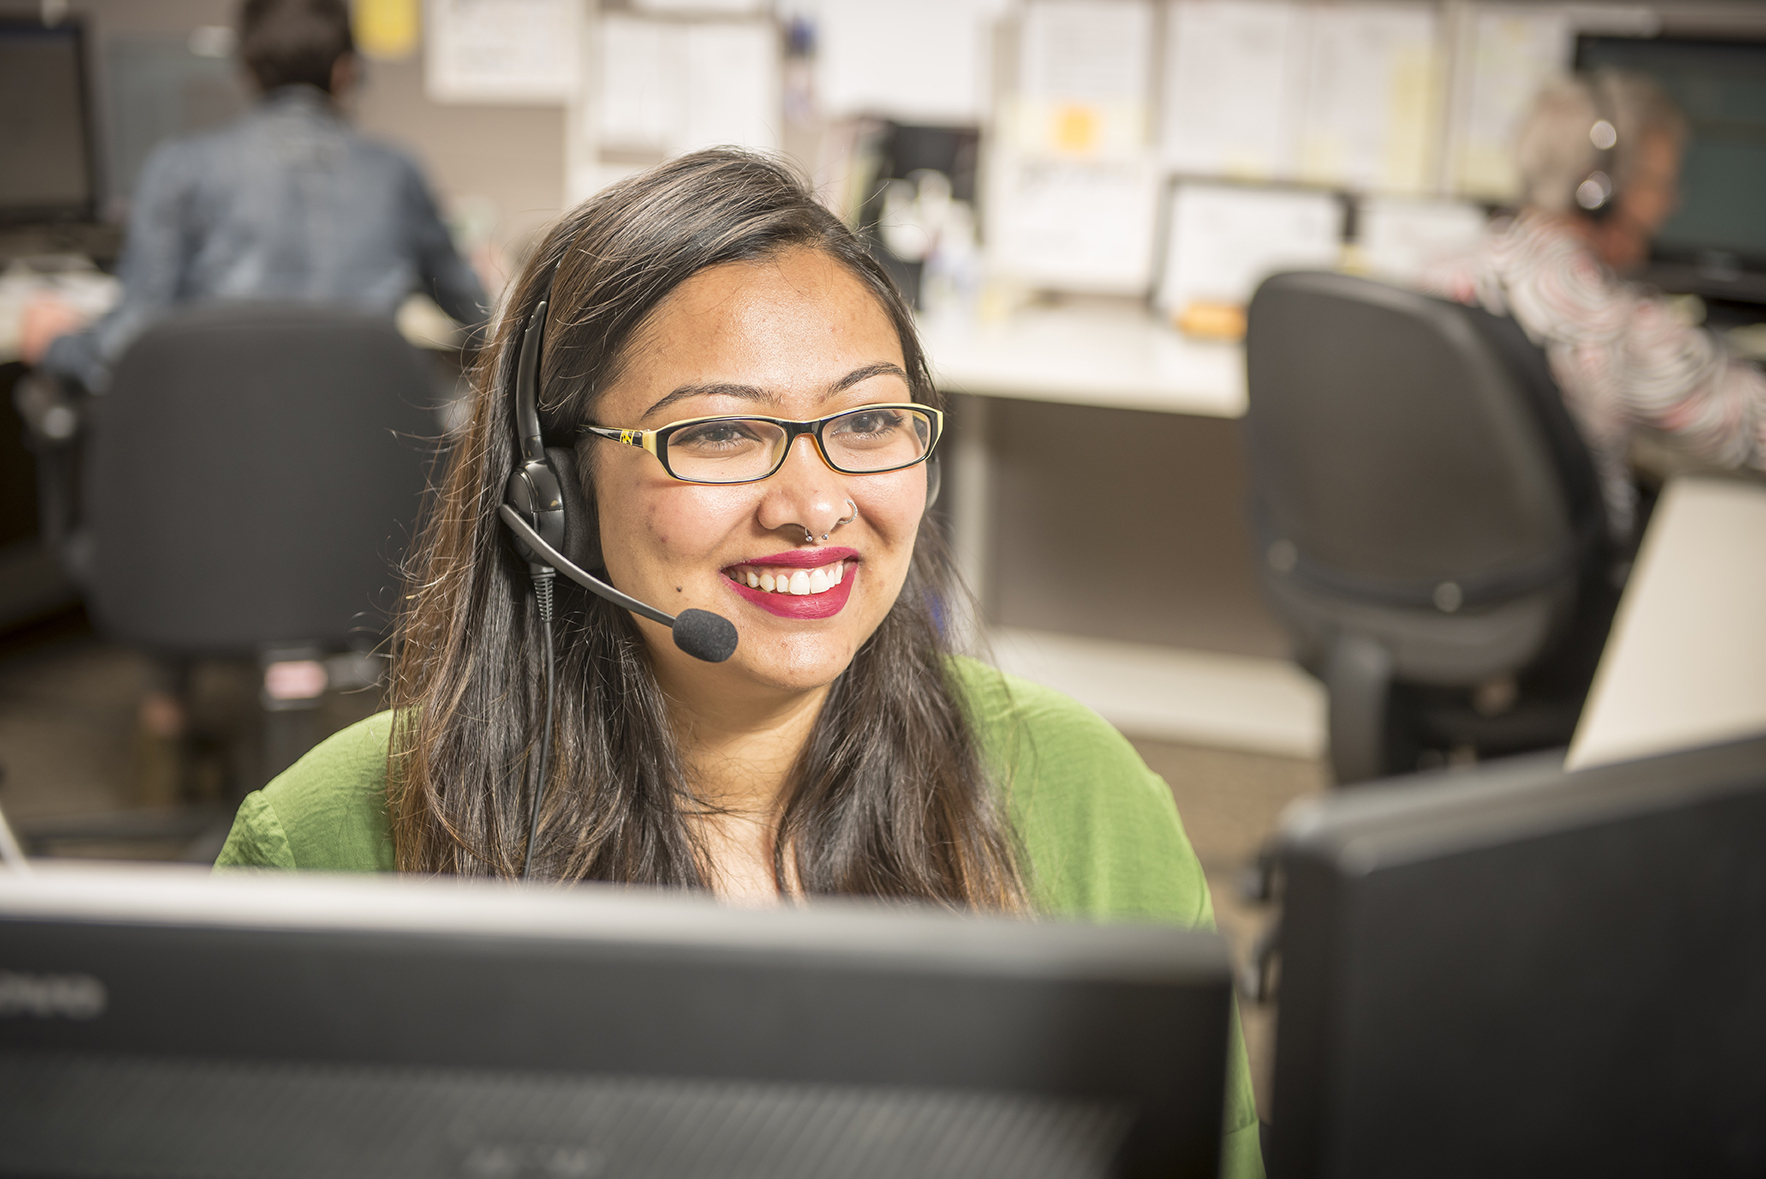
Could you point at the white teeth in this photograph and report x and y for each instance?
(799, 582)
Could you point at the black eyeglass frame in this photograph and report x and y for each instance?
(656, 441)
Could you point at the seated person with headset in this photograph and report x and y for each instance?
(706, 392)
(287, 202)
(1599, 160)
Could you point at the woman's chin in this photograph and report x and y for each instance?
(791, 662)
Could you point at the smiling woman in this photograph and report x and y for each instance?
(732, 399)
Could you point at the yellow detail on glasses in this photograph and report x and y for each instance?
(868, 440)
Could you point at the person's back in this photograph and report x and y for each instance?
(1599, 160)
(287, 202)
(290, 202)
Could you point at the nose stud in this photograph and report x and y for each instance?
(810, 537)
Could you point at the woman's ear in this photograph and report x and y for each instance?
(582, 523)
(934, 480)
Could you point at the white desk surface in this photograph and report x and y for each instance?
(1081, 353)
(1685, 664)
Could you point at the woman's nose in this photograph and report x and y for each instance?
(804, 493)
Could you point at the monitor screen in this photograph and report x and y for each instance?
(162, 1023)
(1520, 971)
(1721, 88)
(44, 139)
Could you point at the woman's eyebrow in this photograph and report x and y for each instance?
(713, 389)
(754, 393)
(884, 369)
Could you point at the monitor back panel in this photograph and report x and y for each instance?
(155, 1048)
(1531, 973)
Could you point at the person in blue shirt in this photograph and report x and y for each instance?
(286, 202)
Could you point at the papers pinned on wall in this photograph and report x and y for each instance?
(1084, 226)
(700, 7)
(914, 61)
(1084, 78)
(1372, 98)
(669, 87)
(502, 51)
(1225, 240)
(1504, 55)
(1235, 73)
(1399, 238)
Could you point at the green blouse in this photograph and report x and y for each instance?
(1099, 830)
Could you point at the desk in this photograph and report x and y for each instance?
(1112, 355)
(1685, 664)
(1090, 353)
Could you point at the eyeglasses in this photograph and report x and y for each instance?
(864, 441)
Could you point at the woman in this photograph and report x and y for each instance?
(1599, 164)
(841, 749)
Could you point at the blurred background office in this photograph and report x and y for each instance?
(1081, 196)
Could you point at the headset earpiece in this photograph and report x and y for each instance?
(581, 523)
(534, 490)
(543, 484)
(1595, 192)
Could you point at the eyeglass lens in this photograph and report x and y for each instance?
(733, 450)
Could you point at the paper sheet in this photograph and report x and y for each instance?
(1373, 98)
(916, 61)
(700, 6)
(1084, 77)
(513, 51)
(1504, 56)
(1085, 226)
(1234, 87)
(671, 87)
(1398, 238)
(1225, 240)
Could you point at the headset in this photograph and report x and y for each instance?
(554, 537)
(1595, 192)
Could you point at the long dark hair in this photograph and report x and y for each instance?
(889, 797)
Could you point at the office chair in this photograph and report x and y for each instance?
(253, 474)
(1429, 521)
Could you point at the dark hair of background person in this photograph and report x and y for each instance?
(889, 797)
(284, 42)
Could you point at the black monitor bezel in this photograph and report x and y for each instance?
(1669, 259)
(86, 211)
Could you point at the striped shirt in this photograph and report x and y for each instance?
(1622, 359)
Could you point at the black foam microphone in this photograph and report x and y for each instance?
(699, 633)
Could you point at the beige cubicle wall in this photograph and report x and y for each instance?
(1124, 525)
(504, 163)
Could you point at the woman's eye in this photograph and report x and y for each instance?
(715, 436)
(870, 423)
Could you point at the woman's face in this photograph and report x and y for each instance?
(796, 337)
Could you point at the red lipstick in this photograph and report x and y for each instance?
(803, 558)
(823, 605)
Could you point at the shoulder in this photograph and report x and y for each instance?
(1099, 831)
(325, 812)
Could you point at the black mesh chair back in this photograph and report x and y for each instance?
(1425, 509)
(1402, 443)
(255, 472)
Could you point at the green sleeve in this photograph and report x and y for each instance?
(326, 812)
(1101, 839)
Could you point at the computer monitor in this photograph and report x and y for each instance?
(1519, 971)
(46, 157)
(1716, 240)
(158, 1023)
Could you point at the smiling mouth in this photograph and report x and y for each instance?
(776, 579)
